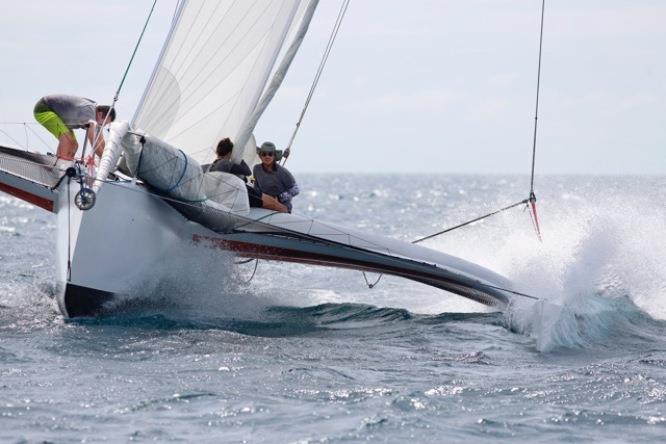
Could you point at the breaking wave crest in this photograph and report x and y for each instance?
(601, 277)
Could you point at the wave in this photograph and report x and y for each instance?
(599, 273)
(592, 322)
(280, 321)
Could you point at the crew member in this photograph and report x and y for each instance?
(224, 164)
(272, 178)
(60, 114)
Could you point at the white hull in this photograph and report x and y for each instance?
(114, 244)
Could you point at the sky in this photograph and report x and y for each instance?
(425, 86)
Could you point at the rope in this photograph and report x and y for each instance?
(182, 173)
(122, 81)
(54, 187)
(320, 70)
(246, 261)
(256, 264)
(373, 284)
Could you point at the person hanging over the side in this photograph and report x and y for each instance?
(61, 113)
(224, 164)
(273, 179)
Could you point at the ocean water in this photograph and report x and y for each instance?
(306, 355)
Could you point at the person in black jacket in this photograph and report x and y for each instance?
(224, 164)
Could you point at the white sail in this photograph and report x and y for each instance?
(248, 127)
(213, 70)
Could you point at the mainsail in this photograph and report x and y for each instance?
(213, 69)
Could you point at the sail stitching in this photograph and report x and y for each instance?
(193, 44)
(265, 42)
(177, 71)
(196, 88)
(148, 107)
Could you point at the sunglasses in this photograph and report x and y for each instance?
(264, 154)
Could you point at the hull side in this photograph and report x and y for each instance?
(106, 250)
(117, 245)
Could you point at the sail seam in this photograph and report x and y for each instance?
(191, 88)
(178, 70)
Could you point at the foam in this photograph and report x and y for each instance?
(596, 250)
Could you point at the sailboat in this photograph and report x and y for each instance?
(218, 70)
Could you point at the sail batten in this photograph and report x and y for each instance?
(213, 70)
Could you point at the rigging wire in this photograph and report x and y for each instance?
(532, 198)
(320, 70)
(530, 202)
(27, 141)
(525, 201)
(26, 126)
(41, 139)
(29, 126)
(536, 110)
(136, 48)
(122, 81)
(10, 137)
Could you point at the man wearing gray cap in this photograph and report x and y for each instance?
(272, 178)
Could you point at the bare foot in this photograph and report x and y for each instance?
(273, 204)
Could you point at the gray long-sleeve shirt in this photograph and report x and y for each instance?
(278, 183)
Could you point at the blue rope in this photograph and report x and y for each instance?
(182, 173)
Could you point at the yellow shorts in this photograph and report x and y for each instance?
(53, 123)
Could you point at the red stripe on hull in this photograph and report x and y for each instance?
(245, 249)
(28, 197)
(286, 255)
(273, 253)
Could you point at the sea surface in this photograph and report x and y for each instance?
(303, 354)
